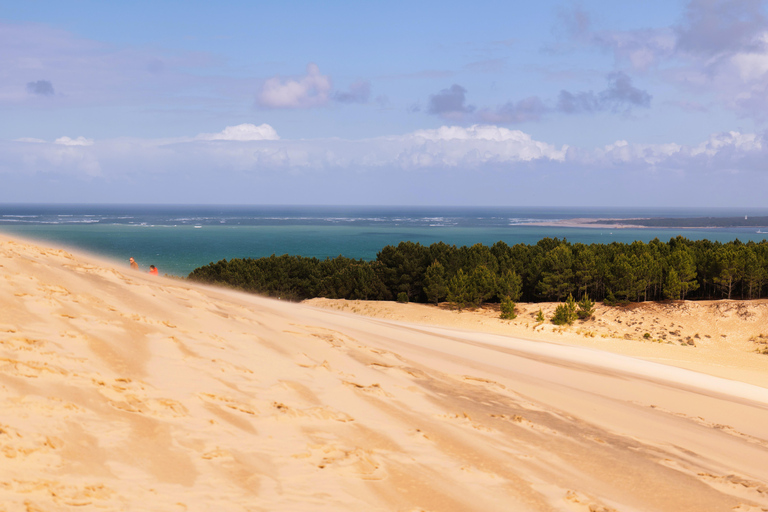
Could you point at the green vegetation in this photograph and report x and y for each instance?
(550, 270)
(565, 313)
(508, 309)
(586, 308)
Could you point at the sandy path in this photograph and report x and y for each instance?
(123, 392)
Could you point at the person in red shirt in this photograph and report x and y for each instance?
(153, 270)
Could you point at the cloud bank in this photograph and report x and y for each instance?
(478, 164)
(260, 149)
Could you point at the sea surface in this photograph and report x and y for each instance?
(178, 239)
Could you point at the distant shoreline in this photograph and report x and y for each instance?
(660, 222)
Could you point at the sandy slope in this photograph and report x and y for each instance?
(119, 391)
(722, 338)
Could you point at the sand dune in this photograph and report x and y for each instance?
(724, 338)
(122, 391)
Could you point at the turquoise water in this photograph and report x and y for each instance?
(180, 239)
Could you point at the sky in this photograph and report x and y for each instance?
(547, 103)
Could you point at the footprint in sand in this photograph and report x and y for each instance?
(372, 389)
(490, 384)
(312, 413)
(522, 421)
(42, 494)
(464, 420)
(15, 444)
(304, 361)
(335, 339)
(402, 370)
(127, 395)
(355, 462)
(586, 504)
(29, 369)
(229, 403)
(738, 485)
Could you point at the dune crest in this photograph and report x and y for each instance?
(120, 390)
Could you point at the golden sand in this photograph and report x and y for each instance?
(124, 391)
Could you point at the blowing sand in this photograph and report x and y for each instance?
(124, 391)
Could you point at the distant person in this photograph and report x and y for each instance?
(134, 265)
(153, 270)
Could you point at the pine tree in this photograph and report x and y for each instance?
(508, 309)
(565, 313)
(586, 308)
(435, 287)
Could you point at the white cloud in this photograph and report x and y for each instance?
(622, 151)
(243, 132)
(312, 90)
(478, 144)
(80, 141)
(452, 151)
(729, 141)
(753, 65)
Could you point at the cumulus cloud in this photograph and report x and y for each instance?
(729, 141)
(67, 141)
(620, 95)
(311, 90)
(477, 145)
(40, 88)
(242, 132)
(721, 152)
(359, 92)
(450, 103)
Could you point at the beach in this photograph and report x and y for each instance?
(125, 391)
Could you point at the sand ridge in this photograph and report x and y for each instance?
(123, 391)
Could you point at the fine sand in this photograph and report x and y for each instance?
(724, 338)
(124, 391)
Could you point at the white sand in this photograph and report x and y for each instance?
(122, 391)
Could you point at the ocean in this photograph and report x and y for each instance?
(177, 239)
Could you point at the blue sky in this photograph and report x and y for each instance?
(652, 103)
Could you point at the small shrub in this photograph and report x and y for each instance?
(540, 316)
(647, 335)
(586, 308)
(565, 313)
(402, 297)
(508, 309)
